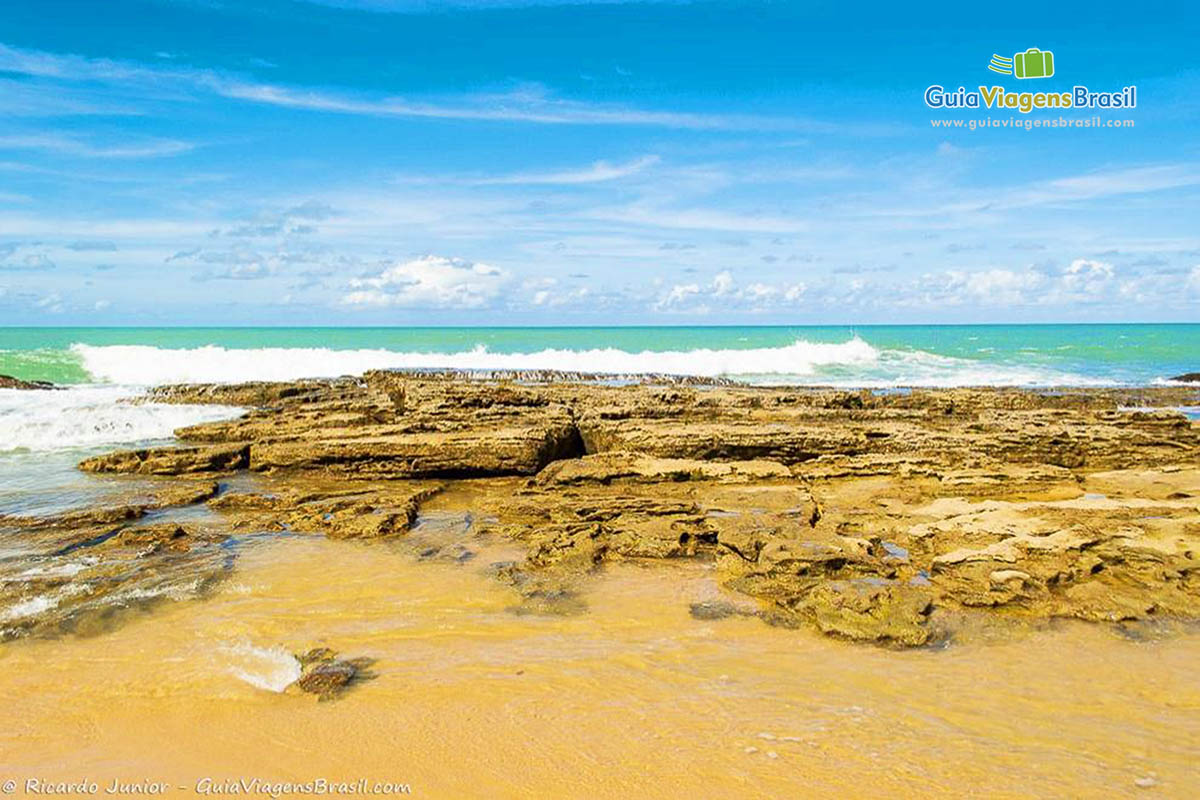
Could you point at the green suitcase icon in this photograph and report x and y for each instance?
(1033, 63)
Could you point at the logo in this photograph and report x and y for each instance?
(1001, 64)
(1033, 63)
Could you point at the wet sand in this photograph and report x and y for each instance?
(633, 697)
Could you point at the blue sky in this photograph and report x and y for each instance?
(413, 162)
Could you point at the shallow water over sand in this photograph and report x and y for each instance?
(634, 696)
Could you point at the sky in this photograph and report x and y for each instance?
(445, 162)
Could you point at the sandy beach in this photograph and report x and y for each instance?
(549, 584)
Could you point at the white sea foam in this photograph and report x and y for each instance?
(26, 608)
(67, 570)
(144, 364)
(269, 668)
(854, 362)
(171, 591)
(91, 416)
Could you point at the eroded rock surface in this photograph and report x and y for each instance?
(349, 512)
(877, 517)
(84, 571)
(171, 460)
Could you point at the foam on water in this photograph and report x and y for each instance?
(853, 362)
(26, 608)
(270, 668)
(68, 570)
(91, 416)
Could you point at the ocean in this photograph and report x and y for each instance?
(104, 366)
(893, 355)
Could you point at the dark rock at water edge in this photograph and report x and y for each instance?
(9, 382)
(327, 676)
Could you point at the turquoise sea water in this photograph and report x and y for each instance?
(104, 367)
(1119, 354)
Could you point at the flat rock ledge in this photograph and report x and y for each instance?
(897, 518)
(84, 572)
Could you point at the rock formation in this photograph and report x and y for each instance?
(881, 517)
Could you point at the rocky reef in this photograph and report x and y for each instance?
(886, 517)
(83, 572)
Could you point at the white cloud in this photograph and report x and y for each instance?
(991, 286)
(430, 282)
(546, 298)
(51, 303)
(17, 257)
(724, 292)
(1083, 281)
(1193, 281)
(722, 284)
(246, 272)
(678, 295)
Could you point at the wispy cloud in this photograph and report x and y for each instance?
(253, 271)
(119, 228)
(1104, 183)
(598, 172)
(425, 6)
(699, 219)
(68, 146)
(530, 103)
(518, 106)
(24, 98)
(1064, 191)
(12, 259)
(84, 245)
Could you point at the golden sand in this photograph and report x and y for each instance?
(632, 698)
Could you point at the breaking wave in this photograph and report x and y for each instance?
(92, 416)
(853, 362)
